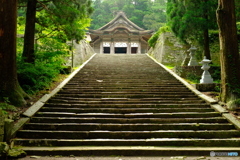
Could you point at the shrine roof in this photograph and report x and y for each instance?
(121, 22)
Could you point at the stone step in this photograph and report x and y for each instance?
(124, 110)
(141, 96)
(128, 127)
(137, 90)
(128, 151)
(234, 142)
(121, 93)
(120, 100)
(126, 120)
(131, 115)
(137, 103)
(119, 105)
(127, 134)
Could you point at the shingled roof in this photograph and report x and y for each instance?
(121, 21)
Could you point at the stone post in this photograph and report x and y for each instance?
(206, 77)
(193, 61)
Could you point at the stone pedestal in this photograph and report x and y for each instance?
(193, 60)
(206, 77)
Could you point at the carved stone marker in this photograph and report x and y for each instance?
(206, 77)
(193, 60)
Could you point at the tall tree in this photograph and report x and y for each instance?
(67, 15)
(9, 86)
(191, 20)
(28, 49)
(229, 58)
(147, 14)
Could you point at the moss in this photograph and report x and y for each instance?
(16, 153)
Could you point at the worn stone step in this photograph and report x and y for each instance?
(127, 151)
(124, 110)
(119, 105)
(125, 92)
(137, 90)
(120, 100)
(115, 85)
(131, 115)
(141, 96)
(126, 120)
(55, 101)
(127, 134)
(127, 86)
(128, 127)
(234, 142)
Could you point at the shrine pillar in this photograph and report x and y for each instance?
(101, 47)
(139, 48)
(129, 46)
(112, 46)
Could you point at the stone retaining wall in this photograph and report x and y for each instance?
(82, 52)
(168, 50)
(185, 71)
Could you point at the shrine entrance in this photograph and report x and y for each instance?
(120, 50)
(120, 36)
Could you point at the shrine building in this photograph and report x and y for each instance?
(120, 36)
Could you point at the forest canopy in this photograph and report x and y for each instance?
(148, 14)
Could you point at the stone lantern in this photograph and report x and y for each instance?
(206, 77)
(193, 61)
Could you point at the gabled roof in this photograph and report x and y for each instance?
(120, 26)
(121, 20)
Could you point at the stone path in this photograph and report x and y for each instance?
(126, 105)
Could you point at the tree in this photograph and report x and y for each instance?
(29, 37)
(9, 86)
(68, 17)
(147, 14)
(229, 59)
(191, 20)
(156, 16)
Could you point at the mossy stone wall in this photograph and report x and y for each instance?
(82, 52)
(168, 50)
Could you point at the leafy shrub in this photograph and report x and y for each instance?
(153, 40)
(49, 61)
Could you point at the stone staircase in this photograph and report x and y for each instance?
(126, 105)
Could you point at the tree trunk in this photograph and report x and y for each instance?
(229, 56)
(9, 86)
(206, 34)
(206, 45)
(28, 49)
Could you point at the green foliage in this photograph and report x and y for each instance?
(145, 13)
(5, 106)
(194, 78)
(238, 27)
(50, 59)
(188, 19)
(153, 40)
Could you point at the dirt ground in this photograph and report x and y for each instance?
(129, 158)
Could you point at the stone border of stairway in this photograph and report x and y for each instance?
(214, 103)
(40, 103)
